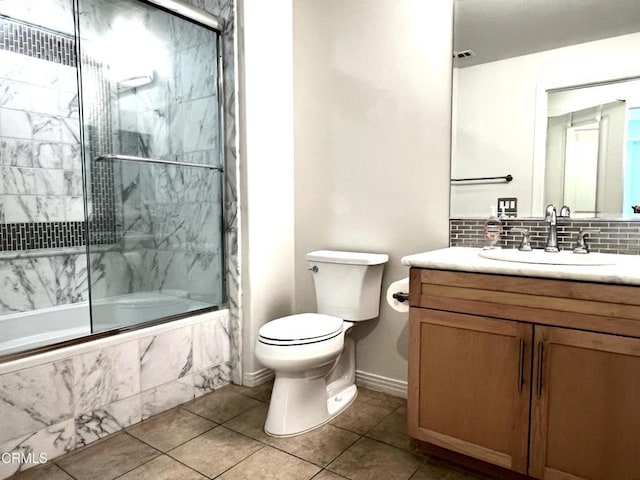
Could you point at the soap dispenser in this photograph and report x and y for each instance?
(492, 229)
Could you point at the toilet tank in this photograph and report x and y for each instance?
(347, 283)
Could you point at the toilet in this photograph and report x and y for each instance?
(310, 353)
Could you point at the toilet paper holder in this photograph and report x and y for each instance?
(401, 296)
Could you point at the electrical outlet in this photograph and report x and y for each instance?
(508, 206)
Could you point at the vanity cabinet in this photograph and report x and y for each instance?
(537, 376)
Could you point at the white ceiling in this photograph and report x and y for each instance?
(498, 29)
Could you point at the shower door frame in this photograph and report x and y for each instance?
(210, 22)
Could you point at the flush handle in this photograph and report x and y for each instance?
(314, 269)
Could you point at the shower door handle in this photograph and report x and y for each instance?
(131, 158)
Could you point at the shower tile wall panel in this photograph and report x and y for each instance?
(114, 273)
(226, 9)
(616, 236)
(41, 204)
(41, 282)
(59, 406)
(40, 165)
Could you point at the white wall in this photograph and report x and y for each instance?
(495, 113)
(372, 82)
(266, 103)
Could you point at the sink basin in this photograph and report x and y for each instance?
(545, 258)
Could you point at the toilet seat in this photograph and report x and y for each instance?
(300, 329)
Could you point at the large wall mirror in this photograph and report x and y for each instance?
(549, 93)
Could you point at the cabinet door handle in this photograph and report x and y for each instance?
(540, 355)
(521, 366)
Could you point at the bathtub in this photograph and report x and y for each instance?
(25, 330)
(133, 308)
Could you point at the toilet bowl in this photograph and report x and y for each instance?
(311, 354)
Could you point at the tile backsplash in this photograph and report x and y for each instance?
(616, 236)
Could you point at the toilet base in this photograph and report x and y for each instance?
(300, 404)
(309, 417)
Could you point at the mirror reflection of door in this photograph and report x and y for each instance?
(632, 167)
(580, 144)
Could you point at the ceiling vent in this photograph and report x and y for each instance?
(464, 54)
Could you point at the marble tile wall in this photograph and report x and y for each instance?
(41, 204)
(64, 404)
(40, 166)
(31, 281)
(226, 10)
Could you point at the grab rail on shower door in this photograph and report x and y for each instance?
(131, 158)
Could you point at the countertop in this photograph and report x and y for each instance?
(466, 259)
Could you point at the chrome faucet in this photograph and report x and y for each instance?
(552, 238)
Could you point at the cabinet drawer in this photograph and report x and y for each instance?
(581, 305)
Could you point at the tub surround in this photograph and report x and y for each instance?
(467, 259)
(64, 399)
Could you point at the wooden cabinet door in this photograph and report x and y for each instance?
(469, 385)
(585, 406)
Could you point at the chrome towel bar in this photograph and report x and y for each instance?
(506, 178)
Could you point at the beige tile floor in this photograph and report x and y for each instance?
(220, 436)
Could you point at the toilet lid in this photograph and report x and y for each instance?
(304, 326)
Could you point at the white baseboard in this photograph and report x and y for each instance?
(253, 379)
(397, 388)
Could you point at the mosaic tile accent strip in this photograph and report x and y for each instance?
(21, 37)
(99, 141)
(29, 236)
(616, 236)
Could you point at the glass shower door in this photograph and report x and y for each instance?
(153, 161)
